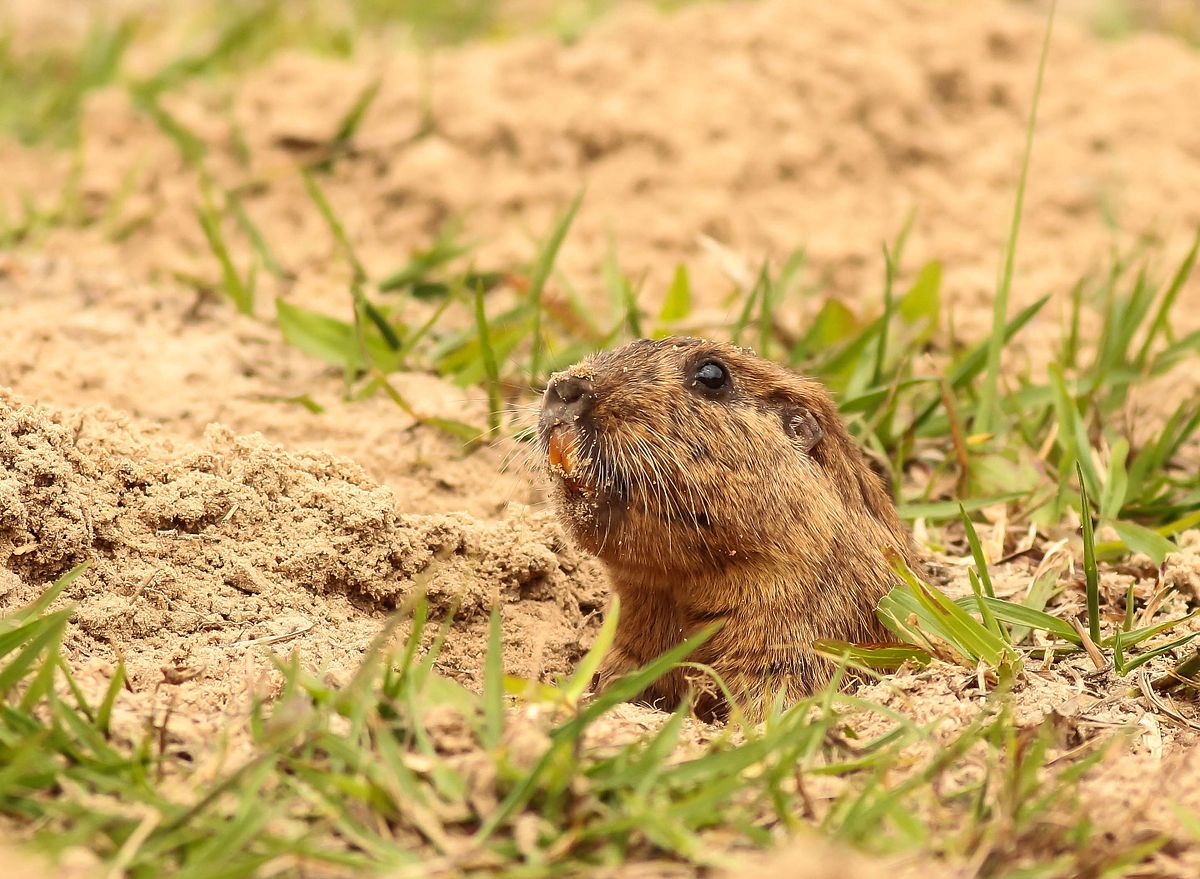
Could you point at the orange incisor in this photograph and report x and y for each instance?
(563, 449)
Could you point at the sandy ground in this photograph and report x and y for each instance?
(134, 432)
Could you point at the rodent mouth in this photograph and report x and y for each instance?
(572, 459)
(564, 454)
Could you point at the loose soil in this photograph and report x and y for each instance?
(139, 433)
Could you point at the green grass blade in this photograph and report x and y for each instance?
(1091, 574)
(325, 338)
(678, 304)
(257, 240)
(887, 658)
(43, 601)
(1142, 658)
(414, 338)
(41, 683)
(981, 565)
(190, 146)
(743, 319)
(985, 614)
(1116, 483)
(354, 116)
(881, 345)
(987, 414)
(1027, 617)
(941, 510)
(232, 284)
(444, 249)
(232, 39)
(1161, 319)
(325, 209)
(631, 316)
(491, 368)
(645, 772)
(628, 686)
(766, 315)
(1040, 592)
(617, 692)
(542, 267)
(581, 678)
(973, 362)
(1134, 637)
(940, 615)
(1141, 539)
(1072, 433)
(34, 638)
(104, 712)
(378, 320)
(493, 683)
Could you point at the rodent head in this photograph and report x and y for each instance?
(681, 454)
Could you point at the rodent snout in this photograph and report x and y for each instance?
(567, 397)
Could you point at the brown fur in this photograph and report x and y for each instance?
(703, 507)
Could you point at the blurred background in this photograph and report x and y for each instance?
(290, 159)
(52, 54)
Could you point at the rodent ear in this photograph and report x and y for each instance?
(804, 429)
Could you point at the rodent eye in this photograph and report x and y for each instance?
(712, 375)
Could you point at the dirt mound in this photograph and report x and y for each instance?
(156, 352)
(201, 552)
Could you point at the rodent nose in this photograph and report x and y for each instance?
(569, 389)
(568, 395)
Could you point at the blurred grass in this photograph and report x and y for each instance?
(41, 91)
(1117, 19)
(46, 70)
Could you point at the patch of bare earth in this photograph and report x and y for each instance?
(219, 526)
(202, 555)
